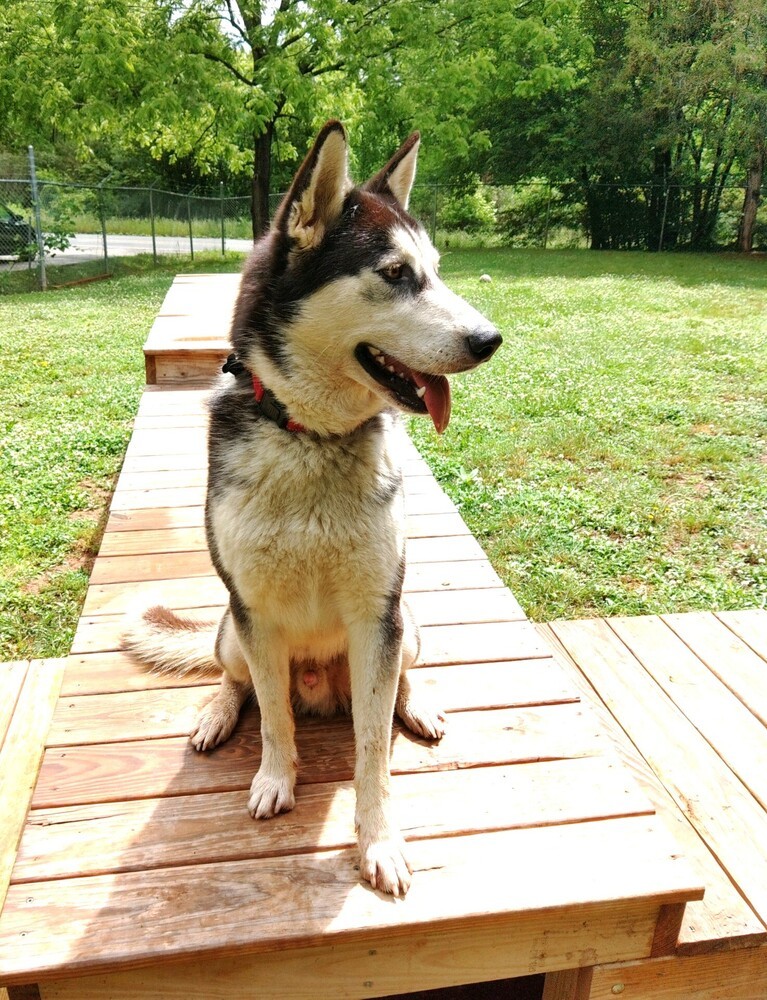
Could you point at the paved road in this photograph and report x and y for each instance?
(89, 246)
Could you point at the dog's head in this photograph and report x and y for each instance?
(342, 312)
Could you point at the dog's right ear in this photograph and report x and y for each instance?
(316, 196)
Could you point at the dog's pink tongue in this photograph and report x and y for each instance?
(437, 399)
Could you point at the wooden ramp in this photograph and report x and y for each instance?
(140, 873)
(684, 698)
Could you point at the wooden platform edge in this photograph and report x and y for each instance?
(21, 754)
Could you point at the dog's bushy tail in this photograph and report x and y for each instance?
(167, 643)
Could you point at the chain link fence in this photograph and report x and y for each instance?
(84, 227)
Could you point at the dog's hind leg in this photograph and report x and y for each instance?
(219, 717)
(411, 709)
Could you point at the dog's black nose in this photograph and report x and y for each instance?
(484, 342)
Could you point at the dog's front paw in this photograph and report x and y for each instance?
(384, 865)
(420, 719)
(270, 794)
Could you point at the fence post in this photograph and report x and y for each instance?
(102, 216)
(548, 214)
(151, 216)
(663, 220)
(38, 223)
(223, 236)
(189, 217)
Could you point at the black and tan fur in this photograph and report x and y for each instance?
(343, 316)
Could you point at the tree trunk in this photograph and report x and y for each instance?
(751, 203)
(262, 172)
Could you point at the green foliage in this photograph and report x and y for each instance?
(471, 211)
(539, 215)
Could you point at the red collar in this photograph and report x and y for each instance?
(272, 408)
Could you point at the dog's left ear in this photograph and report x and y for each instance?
(397, 176)
(316, 196)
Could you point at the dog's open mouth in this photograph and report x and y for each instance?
(412, 390)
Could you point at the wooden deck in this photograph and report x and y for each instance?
(684, 699)
(140, 873)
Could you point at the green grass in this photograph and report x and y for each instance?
(611, 458)
(71, 372)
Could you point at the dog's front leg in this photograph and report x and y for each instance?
(374, 664)
(271, 790)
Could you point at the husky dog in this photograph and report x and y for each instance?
(341, 320)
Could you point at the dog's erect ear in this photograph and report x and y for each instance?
(398, 175)
(316, 196)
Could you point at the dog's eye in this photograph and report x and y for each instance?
(394, 272)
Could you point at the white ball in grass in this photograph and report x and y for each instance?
(485, 277)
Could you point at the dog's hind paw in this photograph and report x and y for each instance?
(421, 720)
(269, 795)
(213, 727)
(384, 865)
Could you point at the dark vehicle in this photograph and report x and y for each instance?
(17, 237)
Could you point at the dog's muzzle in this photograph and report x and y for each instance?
(483, 342)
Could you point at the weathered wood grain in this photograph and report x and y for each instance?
(199, 829)
(303, 900)
(150, 768)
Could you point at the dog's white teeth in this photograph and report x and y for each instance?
(390, 368)
(373, 350)
(421, 392)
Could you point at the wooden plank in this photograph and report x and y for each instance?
(188, 366)
(162, 479)
(182, 496)
(418, 525)
(173, 401)
(722, 920)
(97, 633)
(443, 644)
(733, 662)
(749, 626)
(156, 833)
(736, 735)
(457, 548)
(737, 975)
(570, 984)
(124, 702)
(453, 607)
(382, 965)
(205, 591)
(167, 420)
(433, 502)
(21, 754)
(12, 677)
(164, 461)
(193, 592)
(151, 566)
(254, 905)
(453, 688)
(468, 575)
(427, 538)
(131, 543)
(433, 525)
(704, 788)
(153, 519)
(169, 564)
(152, 768)
(174, 442)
